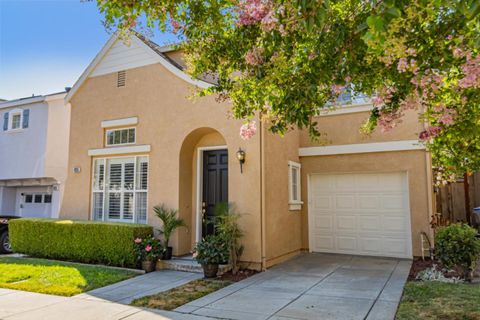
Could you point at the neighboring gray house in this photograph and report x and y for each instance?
(34, 138)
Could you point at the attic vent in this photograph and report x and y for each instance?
(121, 78)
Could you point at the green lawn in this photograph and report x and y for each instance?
(54, 277)
(435, 300)
(181, 295)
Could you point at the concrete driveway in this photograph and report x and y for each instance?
(312, 286)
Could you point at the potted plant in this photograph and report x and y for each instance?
(147, 251)
(228, 228)
(170, 223)
(210, 252)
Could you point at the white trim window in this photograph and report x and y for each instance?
(16, 119)
(115, 137)
(120, 189)
(294, 186)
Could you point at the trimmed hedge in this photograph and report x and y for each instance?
(81, 241)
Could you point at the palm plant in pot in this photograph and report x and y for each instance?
(210, 252)
(148, 251)
(170, 223)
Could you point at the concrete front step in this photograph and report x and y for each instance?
(187, 265)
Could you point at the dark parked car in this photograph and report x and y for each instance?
(4, 241)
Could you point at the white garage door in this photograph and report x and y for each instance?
(365, 214)
(34, 202)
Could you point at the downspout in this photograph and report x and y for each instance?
(262, 198)
(430, 188)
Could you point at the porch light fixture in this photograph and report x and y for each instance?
(241, 158)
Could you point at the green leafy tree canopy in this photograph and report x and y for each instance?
(286, 61)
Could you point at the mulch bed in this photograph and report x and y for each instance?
(419, 265)
(241, 275)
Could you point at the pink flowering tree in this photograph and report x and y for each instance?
(286, 61)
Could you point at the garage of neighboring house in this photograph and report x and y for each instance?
(360, 213)
(34, 202)
(30, 198)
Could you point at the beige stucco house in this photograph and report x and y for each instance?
(138, 139)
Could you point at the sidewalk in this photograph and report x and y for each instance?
(17, 305)
(105, 303)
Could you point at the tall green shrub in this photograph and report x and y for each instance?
(456, 245)
(80, 241)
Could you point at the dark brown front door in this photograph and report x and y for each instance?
(215, 186)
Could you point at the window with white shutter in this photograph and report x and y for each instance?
(16, 119)
(120, 189)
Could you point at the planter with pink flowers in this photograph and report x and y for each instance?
(147, 252)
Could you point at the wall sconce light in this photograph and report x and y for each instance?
(241, 158)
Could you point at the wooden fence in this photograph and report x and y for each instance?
(450, 200)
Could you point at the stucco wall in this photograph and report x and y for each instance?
(412, 162)
(166, 118)
(345, 129)
(58, 130)
(283, 226)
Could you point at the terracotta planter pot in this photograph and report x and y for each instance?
(210, 270)
(148, 266)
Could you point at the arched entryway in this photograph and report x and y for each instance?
(203, 182)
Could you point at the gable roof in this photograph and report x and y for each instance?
(155, 52)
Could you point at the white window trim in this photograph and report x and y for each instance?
(93, 190)
(119, 122)
(120, 144)
(12, 113)
(119, 150)
(294, 205)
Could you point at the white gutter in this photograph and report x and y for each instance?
(19, 102)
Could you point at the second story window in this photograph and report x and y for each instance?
(16, 119)
(120, 136)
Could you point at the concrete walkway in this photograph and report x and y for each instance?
(311, 286)
(145, 285)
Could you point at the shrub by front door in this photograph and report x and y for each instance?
(215, 186)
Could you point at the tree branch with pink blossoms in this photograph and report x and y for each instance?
(286, 62)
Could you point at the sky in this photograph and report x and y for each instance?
(45, 45)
